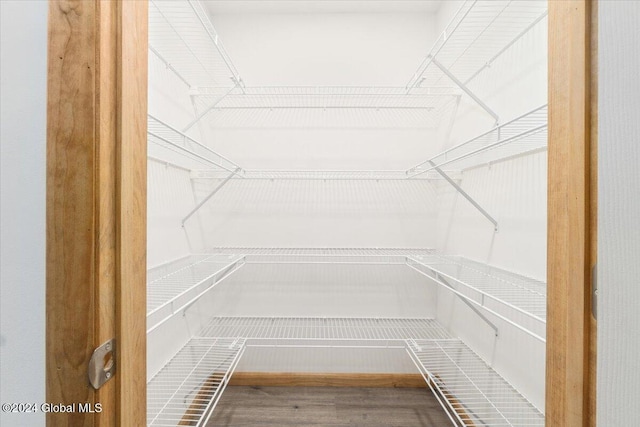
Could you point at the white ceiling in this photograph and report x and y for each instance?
(216, 7)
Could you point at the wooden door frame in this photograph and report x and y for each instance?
(96, 208)
(570, 398)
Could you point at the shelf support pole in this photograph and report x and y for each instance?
(169, 66)
(466, 90)
(471, 306)
(465, 195)
(206, 199)
(209, 108)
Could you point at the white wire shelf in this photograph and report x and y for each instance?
(326, 97)
(385, 256)
(479, 33)
(175, 292)
(314, 175)
(183, 37)
(519, 300)
(472, 393)
(166, 141)
(323, 251)
(319, 328)
(187, 389)
(324, 106)
(198, 269)
(524, 134)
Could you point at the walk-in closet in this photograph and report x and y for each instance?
(348, 187)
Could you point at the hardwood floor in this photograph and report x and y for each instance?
(327, 407)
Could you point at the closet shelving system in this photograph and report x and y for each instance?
(186, 390)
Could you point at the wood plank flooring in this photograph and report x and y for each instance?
(328, 407)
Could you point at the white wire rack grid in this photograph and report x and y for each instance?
(523, 134)
(165, 141)
(316, 175)
(175, 293)
(194, 271)
(329, 328)
(325, 106)
(159, 270)
(170, 140)
(519, 300)
(524, 292)
(468, 388)
(326, 251)
(182, 36)
(332, 256)
(187, 389)
(479, 32)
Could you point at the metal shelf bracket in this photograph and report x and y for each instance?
(465, 195)
(206, 199)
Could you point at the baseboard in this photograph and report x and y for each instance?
(306, 379)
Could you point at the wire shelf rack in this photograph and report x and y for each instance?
(183, 37)
(517, 299)
(336, 256)
(319, 328)
(168, 141)
(477, 35)
(324, 106)
(198, 270)
(472, 393)
(165, 141)
(385, 256)
(323, 251)
(187, 389)
(524, 134)
(315, 175)
(174, 292)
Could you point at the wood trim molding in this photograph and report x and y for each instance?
(570, 224)
(131, 210)
(71, 233)
(96, 186)
(309, 379)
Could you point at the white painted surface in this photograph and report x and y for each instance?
(618, 374)
(23, 64)
(356, 49)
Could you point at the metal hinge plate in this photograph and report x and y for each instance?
(102, 365)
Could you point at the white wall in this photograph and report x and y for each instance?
(23, 64)
(618, 213)
(354, 49)
(351, 49)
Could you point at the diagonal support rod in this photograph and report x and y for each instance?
(169, 66)
(465, 195)
(215, 190)
(466, 90)
(209, 108)
(471, 306)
